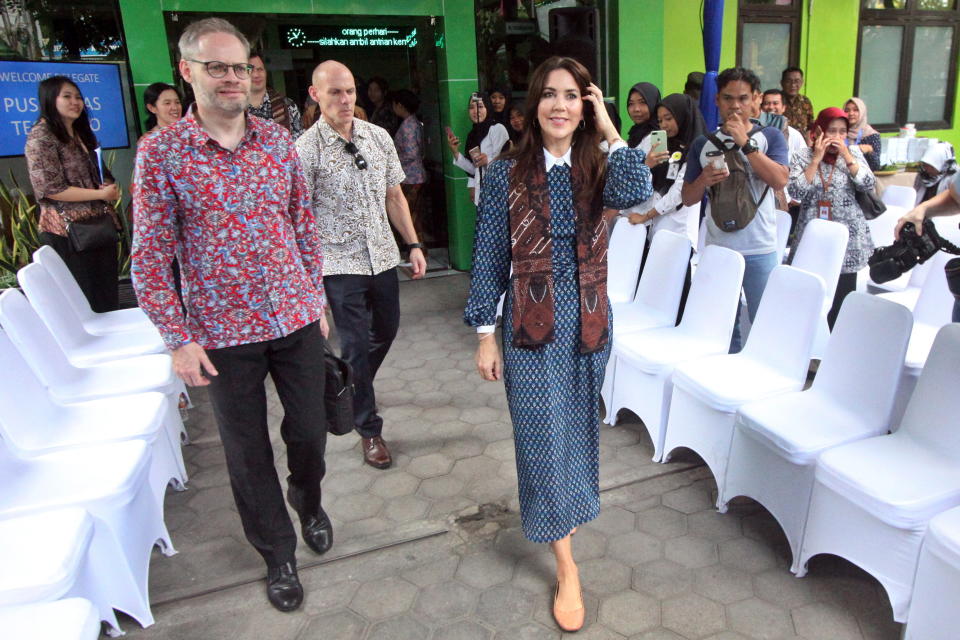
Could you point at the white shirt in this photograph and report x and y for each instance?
(491, 145)
(672, 214)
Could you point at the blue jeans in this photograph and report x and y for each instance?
(757, 271)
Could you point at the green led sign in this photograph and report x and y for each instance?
(348, 36)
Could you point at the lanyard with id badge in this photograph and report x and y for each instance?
(824, 206)
(673, 170)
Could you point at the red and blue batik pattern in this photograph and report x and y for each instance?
(239, 223)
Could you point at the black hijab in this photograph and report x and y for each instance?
(651, 95)
(480, 129)
(516, 105)
(690, 125)
(504, 116)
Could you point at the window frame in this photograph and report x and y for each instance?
(909, 18)
(748, 12)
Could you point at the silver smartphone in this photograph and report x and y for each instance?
(658, 142)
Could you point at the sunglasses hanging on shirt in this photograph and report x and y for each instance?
(358, 159)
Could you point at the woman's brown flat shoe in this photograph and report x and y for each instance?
(569, 621)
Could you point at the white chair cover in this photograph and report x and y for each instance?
(707, 392)
(623, 260)
(872, 499)
(81, 347)
(67, 382)
(50, 555)
(899, 196)
(783, 234)
(70, 619)
(934, 614)
(96, 323)
(821, 251)
(645, 359)
(776, 441)
(111, 482)
(933, 310)
(656, 301)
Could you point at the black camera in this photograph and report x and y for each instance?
(952, 268)
(909, 250)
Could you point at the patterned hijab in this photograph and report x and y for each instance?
(859, 130)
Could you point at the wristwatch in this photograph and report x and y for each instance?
(414, 245)
(749, 147)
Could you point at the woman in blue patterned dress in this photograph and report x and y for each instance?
(541, 212)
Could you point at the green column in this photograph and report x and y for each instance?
(458, 79)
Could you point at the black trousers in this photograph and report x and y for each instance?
(366, 310)
(846, 285)
(239, 399)
(95, 271)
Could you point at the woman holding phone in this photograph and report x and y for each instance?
(825, 179)
(541, 212)
(484, 142)
(71, 185)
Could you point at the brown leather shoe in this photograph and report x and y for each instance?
(375, 452)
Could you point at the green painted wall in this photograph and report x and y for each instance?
(150, 61)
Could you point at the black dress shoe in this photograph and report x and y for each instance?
(317, 532)
(284, 590)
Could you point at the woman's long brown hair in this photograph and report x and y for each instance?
(586, 153)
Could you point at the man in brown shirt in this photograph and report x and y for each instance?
(797, 107)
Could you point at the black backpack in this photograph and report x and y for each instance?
(731, 202)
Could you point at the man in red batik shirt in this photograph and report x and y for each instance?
(224, 193)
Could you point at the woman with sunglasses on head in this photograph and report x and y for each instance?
(541, 212)
(484, 142)
(71, 184)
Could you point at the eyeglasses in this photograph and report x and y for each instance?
(358, 159)
(216, 69)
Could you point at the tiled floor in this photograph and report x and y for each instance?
(431, 548)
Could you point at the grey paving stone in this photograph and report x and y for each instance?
(480, 415)
(760, 619)
(356, 506)
(405, 508)
(630, 612)
(441, 487)
(687, 499)
(343, 625)
(362, 528)
(748, 555)
(658, 634)
(662, 522)
(383, 598)
(722, 583)
(493, 431)
(484, 570)
(635, 548)
(321, 596)
(446, 601)
(402, 628)
(504, 606)
(475, 467)
(502, 450)
(528, 631)
(782, 588)
(536, 573)
(604, 576)
(432, 572)
(825, 620)
(692, 616)
(395, 484)
(463, 630)
(588, 544)
(662, 578)
(713, 525)
(613, 520)
(463, 447)
(691, 551)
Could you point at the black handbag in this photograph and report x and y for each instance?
(338, 393)
(91, 234)
(870, 204)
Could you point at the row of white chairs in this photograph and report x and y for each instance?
(90, 439)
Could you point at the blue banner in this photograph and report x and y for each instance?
(102, 93)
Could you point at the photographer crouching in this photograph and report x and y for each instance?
(944, 203)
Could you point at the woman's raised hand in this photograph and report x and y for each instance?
(602, 118)
(655, 157)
